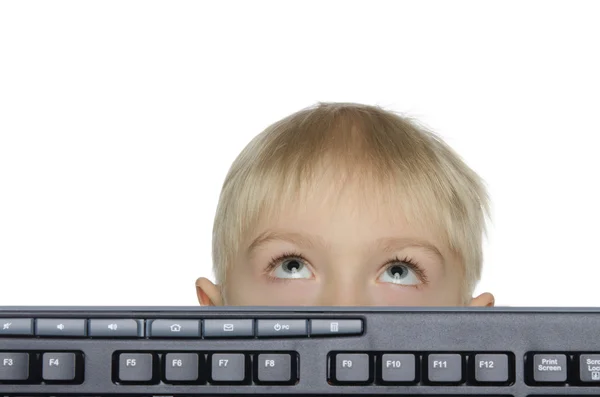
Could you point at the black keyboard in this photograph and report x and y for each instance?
(171, 351)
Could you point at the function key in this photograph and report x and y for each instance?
(229, 368)
(282, 328)
(16, 326)
(182, 367)
(228, 328)
(398, 368)
(116, 328)
(14, 366)
(60, 327)
(174, 328)
(336, 327)
(352, 368)
(275, 369)
(445, 368)
(550, 368)
(136, 367)
(492, 368)
(59, 367)
(589, 368)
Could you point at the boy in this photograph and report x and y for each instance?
(348, 205)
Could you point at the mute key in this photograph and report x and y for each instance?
(16, 326)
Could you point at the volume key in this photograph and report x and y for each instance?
(60, 327)
(116, 328)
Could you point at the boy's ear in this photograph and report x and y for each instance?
(485, 299)
(208, 293)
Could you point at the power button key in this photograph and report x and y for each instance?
(282, 328)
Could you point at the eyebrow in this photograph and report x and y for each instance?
(298, 239)
(387, 244)
(392, 244)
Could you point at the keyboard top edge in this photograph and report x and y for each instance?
(300, 309)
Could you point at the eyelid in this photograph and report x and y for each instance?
(274, 262)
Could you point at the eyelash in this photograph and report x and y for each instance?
(286, 255)
(413, 265)
(408, 261)
(275, 262)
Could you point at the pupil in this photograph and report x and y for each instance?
(397, 271)
(293, 266)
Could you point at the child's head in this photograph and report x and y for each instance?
(346, 204)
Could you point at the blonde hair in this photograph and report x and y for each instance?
(368, 145)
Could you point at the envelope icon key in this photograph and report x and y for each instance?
(227, 327)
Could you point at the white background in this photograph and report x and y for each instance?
(119, 120)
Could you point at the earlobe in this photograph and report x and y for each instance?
(208, 293)
(484, 300)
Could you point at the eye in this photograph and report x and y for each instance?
(400, 272)
(292, 268)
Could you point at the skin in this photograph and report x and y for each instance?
(343, 254)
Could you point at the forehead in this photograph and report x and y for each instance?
(340, 207)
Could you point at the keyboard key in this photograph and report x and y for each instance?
(589, 368)
(274, 368)
(335, 327)
(550, 368)
(136, 367)
(174, 329)
(228, 328)
(352, 368)
(60, 327)
(182, 367)
(14, 366)
(282, 328)
(116, 328)
(398, 368)
(444, 368)
(58, 367)
(491, 368)
(228, 368)
(16, 326)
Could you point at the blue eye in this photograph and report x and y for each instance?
(292, 268)
(400, 273)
